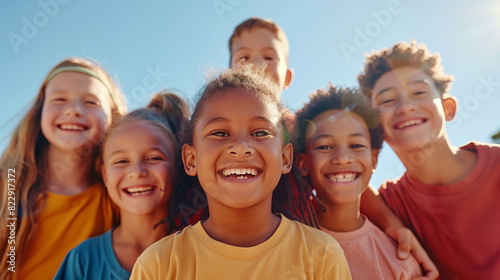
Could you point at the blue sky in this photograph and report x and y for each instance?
(151, 45)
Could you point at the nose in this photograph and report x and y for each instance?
(257, 60)
(74, 108)
(405, 105)
(240, 147)
(137, 170)
(342, 156)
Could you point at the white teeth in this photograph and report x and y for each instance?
(410, 123)
(139, 190)
(240, 171)
(72, 127)
(342, 177)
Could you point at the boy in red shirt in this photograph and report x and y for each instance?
(449, 195)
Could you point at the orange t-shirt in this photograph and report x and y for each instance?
(65, 222)
(457, 224)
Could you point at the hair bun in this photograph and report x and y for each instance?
(172, 108)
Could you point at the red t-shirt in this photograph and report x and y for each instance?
(458, 224)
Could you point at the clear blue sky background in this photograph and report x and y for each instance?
(180, 40)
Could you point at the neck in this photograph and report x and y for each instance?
(68, 172)
(340, 217)
(241, 227)
(428, 163)
(140, 231)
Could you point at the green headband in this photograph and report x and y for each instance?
(80, 70)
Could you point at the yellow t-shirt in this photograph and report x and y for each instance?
(65, 222)
(294, 251)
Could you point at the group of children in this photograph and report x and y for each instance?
(244, 189)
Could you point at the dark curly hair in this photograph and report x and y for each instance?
(404, 54)
(337, 98)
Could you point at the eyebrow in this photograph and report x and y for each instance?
(154, 148)
(424, 81)
(222, 120)
(329, 135)
(384, 90)
(247, 48)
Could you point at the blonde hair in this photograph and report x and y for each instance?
(26, 152)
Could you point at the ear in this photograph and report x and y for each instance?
(288, 77)
(189, 159)
(302, 164)
(286, 158)
(375, 153)
(104, 176)
(450, 104)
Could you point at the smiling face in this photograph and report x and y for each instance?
(260, 46)
(412, 112)
(237, 150)
(138, 176)
(76, 111)
(338, 159)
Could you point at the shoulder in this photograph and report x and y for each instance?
(483, 149)
(92, 247)
(163, 248)
(79, 260)
(313, 238)
(391, 185)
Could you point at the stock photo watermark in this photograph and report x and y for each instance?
(223, 7)
(11, 219)
(31, 26)
(154, 80)
(472, 102)
(364, 35)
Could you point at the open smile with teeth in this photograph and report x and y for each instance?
(240, 173)
(409, 123)
(139, 190)
(73, 127)
(342, 177)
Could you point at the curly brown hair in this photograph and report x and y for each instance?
(404, 54)
(337, 98)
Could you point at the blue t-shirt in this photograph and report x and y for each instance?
(94, 258)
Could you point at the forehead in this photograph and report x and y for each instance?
(337, 123)
(239, 104)
(78, 83)
(402, 76)
(257, 38)
(130, 134)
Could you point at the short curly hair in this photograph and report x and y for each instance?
(337, 98)
(404, 54)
